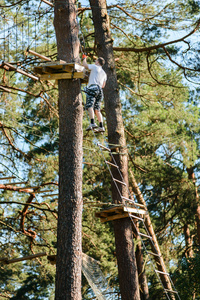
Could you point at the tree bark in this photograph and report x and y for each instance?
(154, 246)
(69, 237)
(144, 291)
(127, 268)
(191, 176)
(188, 241)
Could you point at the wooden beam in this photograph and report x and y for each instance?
(118, 212)
(114, 217)
(58, 76)
(20, 71)
(48, 70)
(38, 55)
(14, 260)
(135, 210)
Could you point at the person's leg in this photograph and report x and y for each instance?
(99, 116)
(89, 106)
(91, 114)
(97, 109)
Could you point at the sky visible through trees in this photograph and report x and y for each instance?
(159, 93)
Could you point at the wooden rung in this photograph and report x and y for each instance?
(155, 254)
(140, 205)
(160, 272)
(135, 217)
(145, 235)
(4, 178)
(119, 181)
(103, 147)
(38, 55)
(170, 291)
(113, 165)
(127, 199)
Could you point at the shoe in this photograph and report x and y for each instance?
(100, 129)
(91, 126)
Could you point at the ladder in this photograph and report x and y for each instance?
(146, 239)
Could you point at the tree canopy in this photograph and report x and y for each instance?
(157, 62)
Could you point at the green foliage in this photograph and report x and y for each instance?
(187, 278)
(161, 119)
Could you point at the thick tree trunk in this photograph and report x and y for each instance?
(69, 239)
(155, 249)
(128, 278)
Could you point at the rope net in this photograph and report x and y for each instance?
(95, 278)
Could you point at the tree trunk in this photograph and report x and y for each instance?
(188, 241)
(144, 291)
(127, 268)
(155, 249)
(191, 176)
(69, 237)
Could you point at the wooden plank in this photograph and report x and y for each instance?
(112, 209)
(114, 217)
(57, 63)
(38, 55)
(135, 210)
(38, 70)
(48, 70)
(67, 68)
(62, 76)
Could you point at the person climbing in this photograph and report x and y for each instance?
(94, 92)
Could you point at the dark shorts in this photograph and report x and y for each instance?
(94, 96)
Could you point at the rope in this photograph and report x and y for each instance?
(131, 201)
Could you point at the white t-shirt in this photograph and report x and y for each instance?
(97, 75)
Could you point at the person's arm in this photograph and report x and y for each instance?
(104, 84)
(84, 61)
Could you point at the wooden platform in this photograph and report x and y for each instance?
(56, 70)
(118, 212)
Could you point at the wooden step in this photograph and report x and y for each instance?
(117, 212)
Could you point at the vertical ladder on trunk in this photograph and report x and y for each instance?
(169, 293)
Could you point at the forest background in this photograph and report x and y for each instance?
(159, 92)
